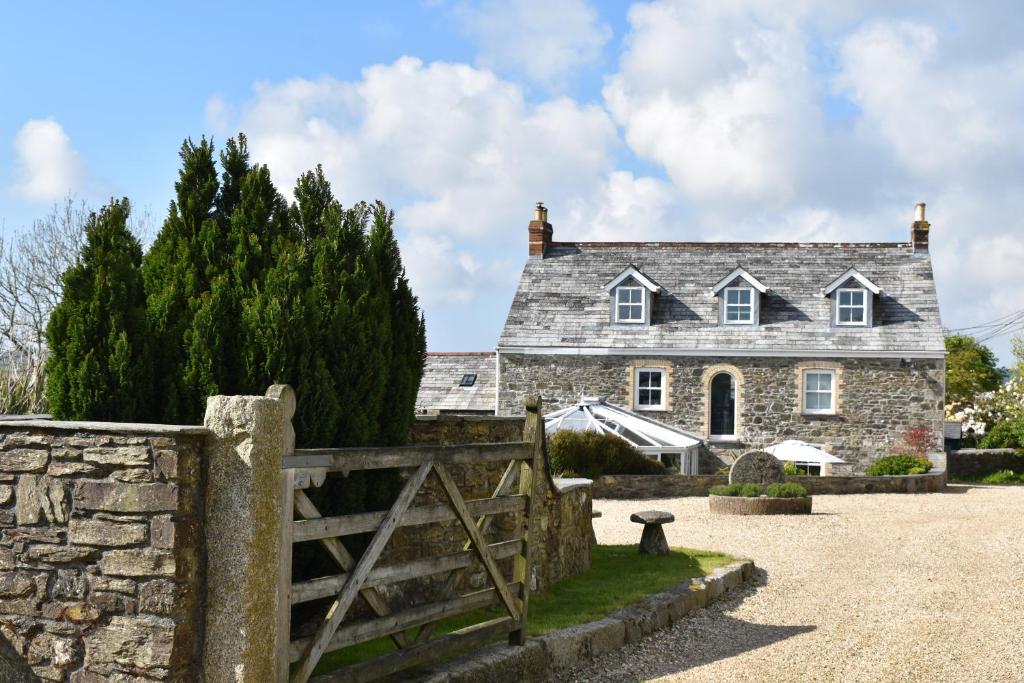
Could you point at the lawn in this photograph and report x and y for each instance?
(1000, 477)
(618, 577)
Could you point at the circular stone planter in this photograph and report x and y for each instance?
(738, 505)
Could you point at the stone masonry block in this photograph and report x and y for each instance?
(24, 460)
(142, 562)
(128, 456)
(40, 497)
(142, 642)
(101, 532)
(124, 497)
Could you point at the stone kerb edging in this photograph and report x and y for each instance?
(544, 655)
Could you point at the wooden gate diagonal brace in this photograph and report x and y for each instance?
(479, 544)
(358, 575)
(337, 550)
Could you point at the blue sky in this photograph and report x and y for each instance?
(657, 120)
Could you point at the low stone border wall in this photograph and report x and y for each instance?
(544, 655)
(739, 505)
(649, 486)
(978, 462)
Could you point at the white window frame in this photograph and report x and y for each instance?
(662, 389)
(863, 307)
(749, 306)
(643, 305)
(831, 392)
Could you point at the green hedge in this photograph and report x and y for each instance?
(589, 454)
(898, 464)
(787, 490)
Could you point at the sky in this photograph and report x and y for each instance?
(664, 120)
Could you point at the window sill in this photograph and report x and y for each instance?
(816, 413)
(650, 409)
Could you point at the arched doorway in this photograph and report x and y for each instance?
(723, 406)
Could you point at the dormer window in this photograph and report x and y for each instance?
(739, 305)
(629, 304)
(739, 298)
(632, 297)
(851, 307)
(852, 297)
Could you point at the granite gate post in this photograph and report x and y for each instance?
(249, 435)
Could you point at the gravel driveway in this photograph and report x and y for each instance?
(869, 588)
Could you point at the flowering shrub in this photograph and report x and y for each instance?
(989, 409)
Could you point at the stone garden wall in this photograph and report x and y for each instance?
(101, 550)
(977, 462)
(149, 553)
(878, 399)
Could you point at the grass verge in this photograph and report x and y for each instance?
(1000, 477)
(618, 577)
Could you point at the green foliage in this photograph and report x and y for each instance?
(971, 369)
(1003, 477)
(98, 366)
(790, 468)
(751, 490)
(591, 455)
(899, 464)
(786, 490)
(1005, 434)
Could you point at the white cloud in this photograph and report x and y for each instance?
(458, 151)
(724, 103)
(940, 118)
(544, 40)
(47, 166)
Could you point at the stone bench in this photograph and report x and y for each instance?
(652, 541)
(593, 535)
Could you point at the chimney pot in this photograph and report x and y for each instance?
(919, 212)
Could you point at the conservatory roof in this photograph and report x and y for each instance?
(593, 414)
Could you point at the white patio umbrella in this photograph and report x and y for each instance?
(803, 453)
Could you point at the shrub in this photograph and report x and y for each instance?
(787, 490)
(591, 455)
(725, 490)
(751, 490)
(791, 469)
(915, 441)
(899, 464)
(1005, 434)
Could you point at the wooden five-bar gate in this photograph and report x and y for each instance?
(360, 579)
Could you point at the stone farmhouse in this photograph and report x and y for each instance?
(745, 344)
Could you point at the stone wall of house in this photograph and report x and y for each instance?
(101, 550)
(977, 462)
(878, 399)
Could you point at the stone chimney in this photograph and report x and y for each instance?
(540, 232)
(919, 230)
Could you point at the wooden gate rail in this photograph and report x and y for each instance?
(362, 577)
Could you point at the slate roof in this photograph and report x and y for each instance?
(560, 301)
(440, 391)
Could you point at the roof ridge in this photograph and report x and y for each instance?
(460, 353)
(730, 244)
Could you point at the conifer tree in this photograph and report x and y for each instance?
(177, 270)
(97, 335)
